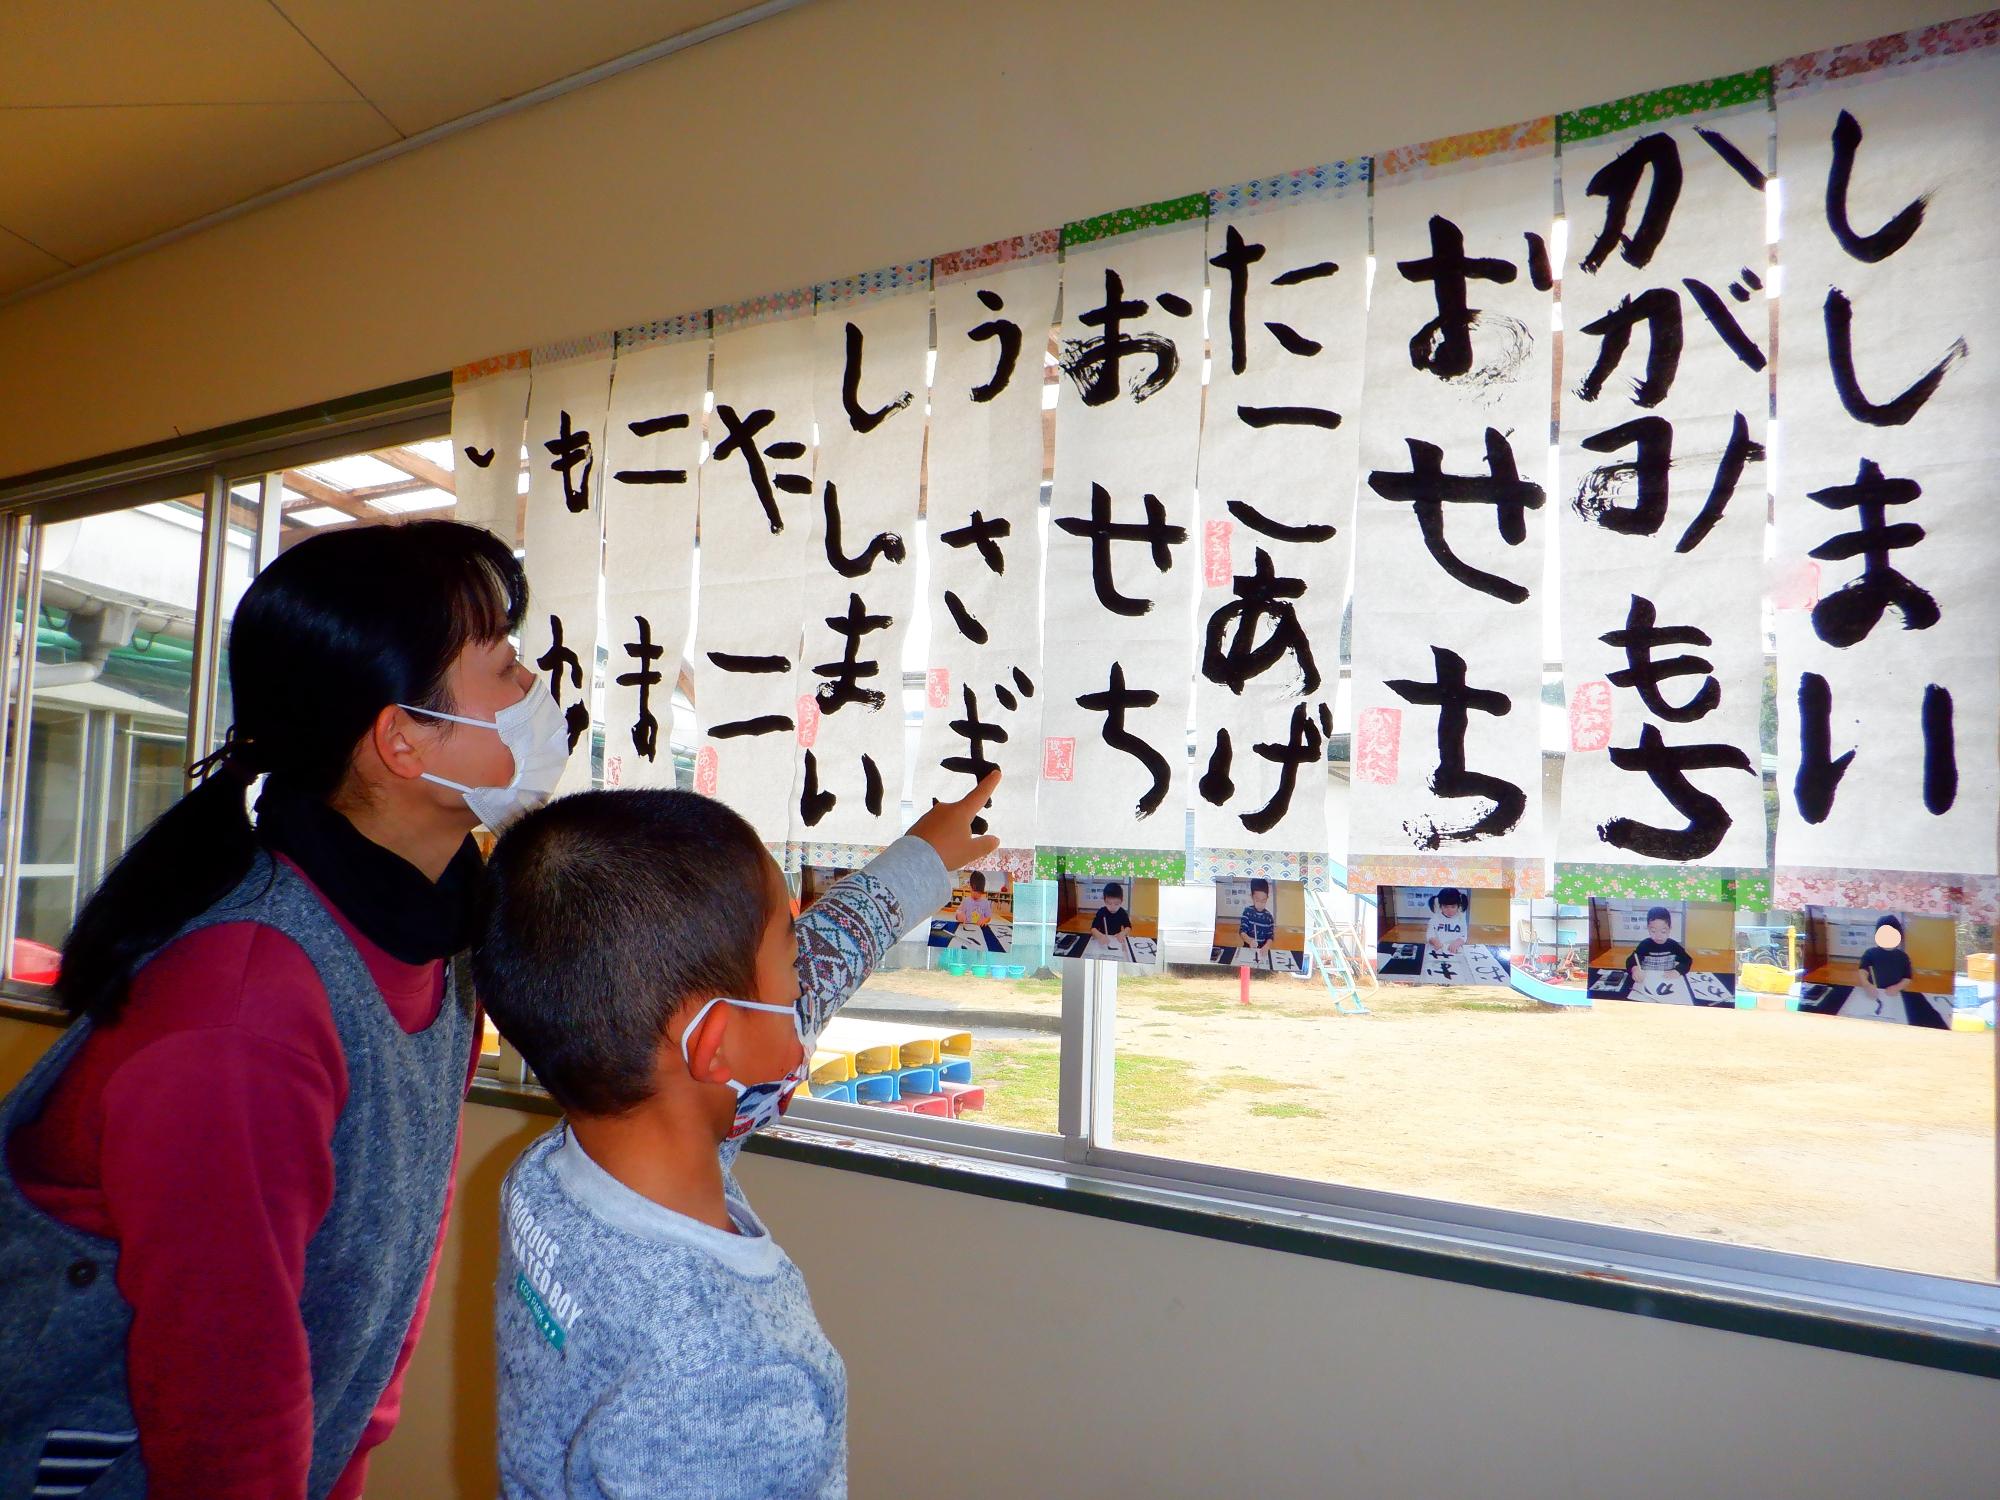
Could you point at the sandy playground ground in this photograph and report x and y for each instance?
(1840, 1138)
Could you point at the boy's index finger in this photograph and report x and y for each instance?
(980, 795)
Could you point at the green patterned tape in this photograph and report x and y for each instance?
(1055, 863)
(1577, 884)
(1737, 89)
(1126, 220)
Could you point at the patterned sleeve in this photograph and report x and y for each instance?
(844, 936)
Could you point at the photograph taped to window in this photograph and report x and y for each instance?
(1110, 917)
(1428, 934)
(1878, 966)
(1665, 952)
(980, 914)
(1260, 924)
(816, 880)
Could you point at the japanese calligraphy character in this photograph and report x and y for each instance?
(1667, 766)
(729, 661)
(740, 437)
(1617, 182)
(815, 804)
(860, 418)
(977, 734)
(647, 427)
(1895, 412)
(1006, 335)
(1301, 747)
(1429, 489)
(1102, 531)
(646, 728)
(1651, 471)
(1455, 702)
(1660, 310)
(1638, 639)
(1233, 653)
(1852, 611)
(1817, 783)
(984, 535)
(844, 677)
(1095, 364)
(1443, 346)
(1893, 235)
(571, 448)
(882, 544)
(1113, 703)
(480, 460)
(553, 661)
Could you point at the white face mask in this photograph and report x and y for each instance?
(757, 1104)
(536, 735)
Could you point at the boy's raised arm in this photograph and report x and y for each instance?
(844, 936)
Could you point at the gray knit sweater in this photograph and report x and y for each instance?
(643, 1353)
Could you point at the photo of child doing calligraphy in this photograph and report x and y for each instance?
(816, 880)
(1441, 934)
(1260, 924)
(1109, 917)
(1875, 965)
(1664, 952)
(980, 914)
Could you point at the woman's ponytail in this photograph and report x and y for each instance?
(194, 854)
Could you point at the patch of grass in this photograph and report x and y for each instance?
(1250, 1083)
(1021, 1081)
(1288, 1111)
(1152, 1093)
(1499, 1005)
(1195, 1007)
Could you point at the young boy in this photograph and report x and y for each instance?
(974, 907)
(1447, 931)
(638, 949)
(1111, 919)
(1257, 926)
(1656, 956)
(1885, 970)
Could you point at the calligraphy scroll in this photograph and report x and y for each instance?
(756, 528)
(1288, 284)
(489, 407)
(563, 531)
(983, 693)
(1666, 387)
(1447, 614)
(652, 451)
(1888, 703)
(1121, 566)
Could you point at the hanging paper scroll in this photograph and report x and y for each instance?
(1888, 702)
(489, 404)
(1288, 282)
(1121, 571)
(756, 528)
(1454, 439)
(652, 450)
(982, 682)
(871, 336)
(1666, 386)
(563, 531)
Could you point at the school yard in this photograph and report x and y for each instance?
(1841, 1138)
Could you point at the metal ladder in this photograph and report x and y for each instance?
(1336, 951)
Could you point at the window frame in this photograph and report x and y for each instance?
(1906, 1315)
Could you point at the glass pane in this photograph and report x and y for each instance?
(108, 721)
(1761, 1126)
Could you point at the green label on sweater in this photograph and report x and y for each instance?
(539, 1311)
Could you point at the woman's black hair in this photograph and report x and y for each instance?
(605, 913)
(332, 632)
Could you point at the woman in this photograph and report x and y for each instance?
(225, 1186)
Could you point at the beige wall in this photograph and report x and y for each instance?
(839, 137)
(996, 1349)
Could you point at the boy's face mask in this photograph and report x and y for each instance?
(757, 1104)
(536, 735)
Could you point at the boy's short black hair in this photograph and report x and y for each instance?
(1890, 919)
(604, 913)
(1451, 896)
(1659, 914)
(976, 880)
(1112, 888)
(1260, 885)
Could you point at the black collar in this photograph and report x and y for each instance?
(406, 915)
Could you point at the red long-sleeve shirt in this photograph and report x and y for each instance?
(197, 1132)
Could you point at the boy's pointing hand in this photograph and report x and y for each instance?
(947, 827)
